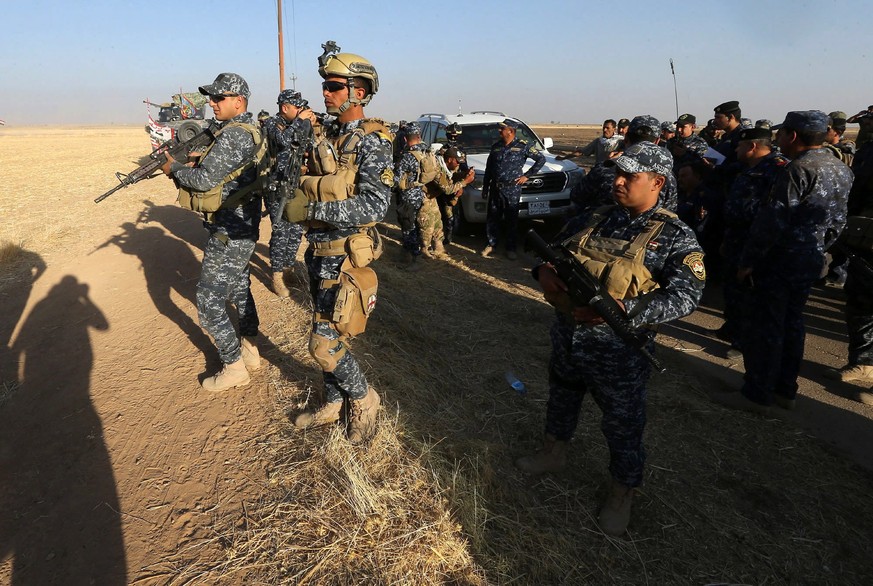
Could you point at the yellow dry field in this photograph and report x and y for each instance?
(117, 468)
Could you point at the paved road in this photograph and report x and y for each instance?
(836, 412)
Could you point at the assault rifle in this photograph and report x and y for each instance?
(176, 149)
(291, 178)
(585, 290)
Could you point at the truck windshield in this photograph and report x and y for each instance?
(478, 138)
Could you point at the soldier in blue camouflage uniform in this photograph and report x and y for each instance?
(859, 284)
(587, 357)
(595, 189)
(749, 190)
(353, 157)
(288, 131)
(408, 173)
(686, 143)
(783, 256)
(502, 184)
(233, 231)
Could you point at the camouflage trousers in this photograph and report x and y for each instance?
(284, 239)
(225, 277)
(344, 378)
(595, 361)
(859, 313)
(410, 236)
(449, 216)
(430, 224)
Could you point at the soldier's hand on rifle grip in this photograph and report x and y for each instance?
(166, 166)
(550, 281)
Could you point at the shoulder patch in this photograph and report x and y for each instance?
(387, 176)
(694, 261)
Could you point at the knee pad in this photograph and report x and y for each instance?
(327, 352)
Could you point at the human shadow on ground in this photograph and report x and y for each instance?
(168, 266)
(59, 507)
(26, 268)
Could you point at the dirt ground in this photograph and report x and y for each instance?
(115, 466)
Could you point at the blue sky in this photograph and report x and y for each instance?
(77, 62)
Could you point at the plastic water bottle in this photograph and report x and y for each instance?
(515, 383)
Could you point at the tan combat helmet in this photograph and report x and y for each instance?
(350, 66)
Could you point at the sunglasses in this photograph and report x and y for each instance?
(219, 97)
(332, 86)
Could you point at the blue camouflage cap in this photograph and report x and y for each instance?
(645, 124)
(293, 98)
(805, 121)
(644, 157)
(668, 126)
(746, 123)
(763, 123)
(509, 123)
(411, 129)
(227, 83)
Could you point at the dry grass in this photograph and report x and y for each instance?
(435, 498)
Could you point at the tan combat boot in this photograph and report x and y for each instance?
(279, 287)
(438, 248)
(362, 417)
(231, 375)
(250, 355)
(426, 253)
(327, 413)
(552, 457)
(615, 514)
(851, 372)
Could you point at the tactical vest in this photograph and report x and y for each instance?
(618, 264)
(428, 173)
(210, 202)
(333, 164)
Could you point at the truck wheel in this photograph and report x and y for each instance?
(187, 130)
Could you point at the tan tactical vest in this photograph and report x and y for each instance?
(333, 164)
(618, 264)
(428, 172)
(210, 202)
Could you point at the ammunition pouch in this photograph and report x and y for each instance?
(336, 187)
(618, 264)
(361, 248)
(355, 300)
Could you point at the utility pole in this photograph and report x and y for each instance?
(281, 48)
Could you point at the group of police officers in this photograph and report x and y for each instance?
(779, 206)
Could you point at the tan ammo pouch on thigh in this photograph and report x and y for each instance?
(355, 300)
